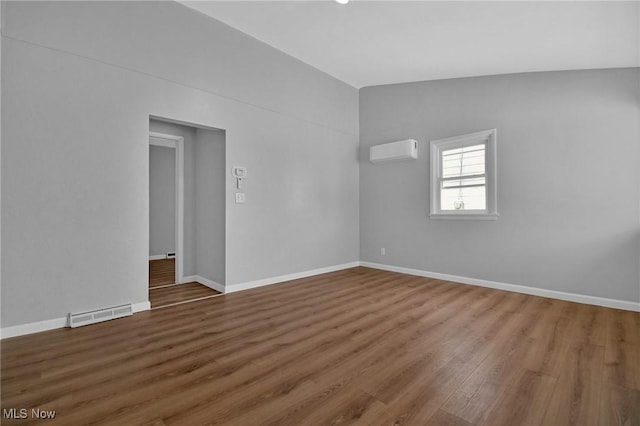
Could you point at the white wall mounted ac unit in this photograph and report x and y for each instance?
(401, 150)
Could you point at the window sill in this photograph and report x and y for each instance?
(464, 216)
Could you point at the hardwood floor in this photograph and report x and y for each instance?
(162, 272)
(162, 290)
(358, 346)
(178, 293)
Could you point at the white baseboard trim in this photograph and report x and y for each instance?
(158, 257)
(275, 280)
(36, 327)
(553, 294)
(20, 330)
(209, 283)
(141, 306)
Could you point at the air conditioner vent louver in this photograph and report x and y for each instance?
(105, 314)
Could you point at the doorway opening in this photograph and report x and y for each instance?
(186, 212)
(166, 209)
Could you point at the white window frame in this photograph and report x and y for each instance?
(487, 137)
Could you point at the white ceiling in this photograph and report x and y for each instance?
(366, 43)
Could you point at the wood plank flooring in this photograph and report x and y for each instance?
(358, 346)
(178, 293)
(162, 272)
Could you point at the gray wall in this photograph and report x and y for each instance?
(568, 194)
(162, 200)
(79, 82)
(1, 67)
(210, 209)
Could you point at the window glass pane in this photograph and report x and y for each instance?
(464, 183)
(463, 197)
(465, 161)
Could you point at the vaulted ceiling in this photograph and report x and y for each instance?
(367, 43)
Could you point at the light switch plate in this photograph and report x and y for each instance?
(239, 197)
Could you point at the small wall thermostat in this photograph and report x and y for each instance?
(239, 173)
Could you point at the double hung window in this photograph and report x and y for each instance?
(463, 177)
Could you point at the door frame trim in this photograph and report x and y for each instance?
(176, 142)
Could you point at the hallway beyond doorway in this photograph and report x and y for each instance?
(162, 272)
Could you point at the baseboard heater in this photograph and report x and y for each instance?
(99, 315)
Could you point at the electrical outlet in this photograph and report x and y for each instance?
(239, 197)
(383, 251)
